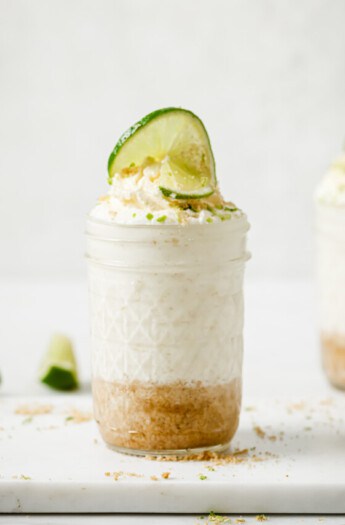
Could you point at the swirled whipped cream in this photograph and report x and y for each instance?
(135, 198)
(331, 190)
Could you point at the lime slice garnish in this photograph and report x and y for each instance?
(177, 139)
(59, 368)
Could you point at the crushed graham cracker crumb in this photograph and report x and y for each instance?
(218, 519)
(120, 473)
(297, 406)
(242, 452)
(33, 410)
(78, 416)
(166, 475)
(214, 410)
(261, 517)
(217, 457)
(154, 478)
(259, 432)
(326, 402)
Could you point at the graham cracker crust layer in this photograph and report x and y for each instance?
(146, 416)
(333, 357)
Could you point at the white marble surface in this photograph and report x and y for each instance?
(281, 364)
(51, 463)
(161, 519)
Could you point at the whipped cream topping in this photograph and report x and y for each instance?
(331, 189)
(135, 198)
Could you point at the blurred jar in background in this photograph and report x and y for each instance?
(330, 231)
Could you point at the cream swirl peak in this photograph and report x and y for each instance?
(136, 199)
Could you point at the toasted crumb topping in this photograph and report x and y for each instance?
(120, 473)
(34, 410)
(217, 457)
(166, 475)
(77, 416)
(259, 432)
(217, 518)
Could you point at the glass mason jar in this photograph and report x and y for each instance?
(330, 230)
(166, 329)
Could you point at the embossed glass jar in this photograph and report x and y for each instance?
(166, 329)
(330, 226)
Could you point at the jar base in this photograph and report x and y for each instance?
(218, 449)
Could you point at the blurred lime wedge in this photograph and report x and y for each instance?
(59, 368)
(178, 140)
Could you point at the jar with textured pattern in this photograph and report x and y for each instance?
(167, 334)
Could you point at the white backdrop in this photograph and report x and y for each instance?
(266, 76)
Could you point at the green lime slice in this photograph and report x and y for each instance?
(177, 139)
(59, 369)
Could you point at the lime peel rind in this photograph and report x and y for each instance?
(59, 368)
(198, 195)
(166, 131)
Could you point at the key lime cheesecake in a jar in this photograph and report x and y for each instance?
(166, 255)
(330, 231)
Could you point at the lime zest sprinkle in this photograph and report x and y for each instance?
(226, 208)
(163, 218)
(209, 220)
(149, 216)
(134, 215)
(202, 477)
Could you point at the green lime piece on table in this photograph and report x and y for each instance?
(59, 368)
(178, 140)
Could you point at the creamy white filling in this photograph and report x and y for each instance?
(165, 328)
(166, 303)
(137, 199)
(331, 189)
